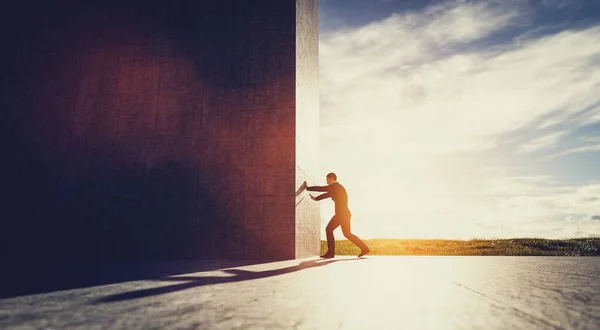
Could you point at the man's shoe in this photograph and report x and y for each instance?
(363, 252)
(327, 256)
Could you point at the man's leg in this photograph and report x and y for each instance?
(364, 249)
(331, 226)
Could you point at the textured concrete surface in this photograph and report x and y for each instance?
(308, 219)
(343, 293)
(152, 130)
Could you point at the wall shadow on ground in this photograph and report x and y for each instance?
(36, 278)
(188, 282)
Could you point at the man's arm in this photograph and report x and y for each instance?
(320, 197)
(318, 188)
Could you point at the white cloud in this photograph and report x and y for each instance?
(542, 142)
(459, 22)
(409, 108)
(556, 3)
(562, 4)
(519, 185)
(587, 148)
(592, 117)
(517, 208)
(395, 72)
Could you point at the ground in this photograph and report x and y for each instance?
(377, 292)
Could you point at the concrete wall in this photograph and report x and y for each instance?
(164, 129)
(308, 221)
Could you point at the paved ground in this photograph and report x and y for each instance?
(343, 293)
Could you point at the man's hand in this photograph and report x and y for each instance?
(301, 188)
(312, 197)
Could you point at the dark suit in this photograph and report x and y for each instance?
(342, 216)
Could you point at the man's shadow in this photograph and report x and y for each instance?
(196, 281)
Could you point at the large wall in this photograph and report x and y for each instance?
(308, 221)
(161, 130)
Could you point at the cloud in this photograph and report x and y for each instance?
(405, 73)
(595, 217)
(559, 4)
(593, 117)
(591, 139)
(520, 185)
(414, 107)
(497, 207)
(460, 22)
(541, 142)
(588, 148)
(562, 4)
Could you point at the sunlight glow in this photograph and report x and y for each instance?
(435, 136)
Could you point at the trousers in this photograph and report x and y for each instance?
(344, 221)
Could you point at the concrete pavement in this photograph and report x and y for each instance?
(377, 292)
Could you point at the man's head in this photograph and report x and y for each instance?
(331, 178)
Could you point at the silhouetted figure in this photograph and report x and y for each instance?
(342, 215)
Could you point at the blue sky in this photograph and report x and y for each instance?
(461, 119)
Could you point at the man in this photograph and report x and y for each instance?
(338, 194)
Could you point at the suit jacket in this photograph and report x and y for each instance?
(338, 193)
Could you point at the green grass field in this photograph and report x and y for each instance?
(474, 247)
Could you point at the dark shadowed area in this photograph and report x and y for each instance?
(146, 131)
(36, 278)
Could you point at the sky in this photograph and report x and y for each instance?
(462, 119)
